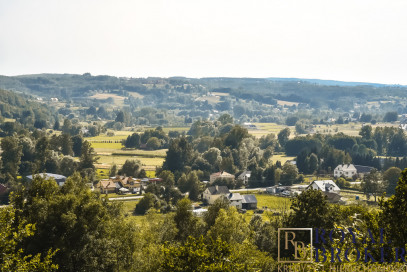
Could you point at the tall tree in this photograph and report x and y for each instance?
(66, 144)
(373, 184)
(130, 168)
(77, 141)
(179, 155)
(289, 175)
(78, 222)
(12, 256)
(393, 217)
(186, 222)
(283, 136)
(311, 209)
(88, 156)
(391, 176)
(10, 157)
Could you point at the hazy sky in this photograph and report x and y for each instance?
(344, 40)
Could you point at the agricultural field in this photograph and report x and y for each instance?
(351, 129)
(111, 152)
(118, 100)
(105, 161)
(179, 129)
(282, 158)
(267, 128)
(274, 203)
(136, 95)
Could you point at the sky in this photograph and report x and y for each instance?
(364, 41)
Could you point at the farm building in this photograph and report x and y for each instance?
(60, 179)
(235, 200)
(249, 202)
(324, 186)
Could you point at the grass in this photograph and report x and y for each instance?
(267, 128)
(103, 159)
(272, 202)
(102, 173)
(118, 100)
(110, 146)
(179, 129)
(351, 129)
(281, 158)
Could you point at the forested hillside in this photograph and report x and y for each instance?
(181, 101)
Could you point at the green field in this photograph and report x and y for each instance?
(281, 158)
(105, 161)
(107, 146)
(351, 129)
(267, 128)
(179, 129)
(274, 203)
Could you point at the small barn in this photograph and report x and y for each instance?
(249, 202)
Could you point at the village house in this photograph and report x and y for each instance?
(350, 170)
(127, 182)
(108, 186)
(346, 170)
(324, 186)
(221, 175)
(244, 177)
(214, 192)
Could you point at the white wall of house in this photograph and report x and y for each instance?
(210, 199)
(344, 171)
(236, 203)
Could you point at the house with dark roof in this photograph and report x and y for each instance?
(249, 202)
(60, 179)
(214, 192)
(363, 170)
(235, 199)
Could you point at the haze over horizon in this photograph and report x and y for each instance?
(362, 41)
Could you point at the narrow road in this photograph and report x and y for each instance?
(248, 190)
(126, 198)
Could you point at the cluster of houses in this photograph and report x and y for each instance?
(328, 187)
(244, 177)
(240, 201)
(124, 184)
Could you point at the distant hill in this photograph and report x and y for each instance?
(156, 91)
(22, 106)
(331, 82)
